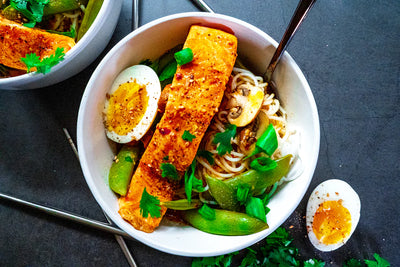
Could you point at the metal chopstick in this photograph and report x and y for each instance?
(203, 6)
(67, 215)
(135, 14)
(119, 238)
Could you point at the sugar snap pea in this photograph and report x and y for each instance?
(122, 168)
(225, 223)
(224, 192)
(92, 9)
(59, 6)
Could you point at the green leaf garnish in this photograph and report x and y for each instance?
(207, 213)
(380, 262)
(71, 33)
(184, 56)
(168, 170)
(166, 158)
(169, 71)
(31, 9)
(207, 155)
(43, 66)
(314, 263)
(187, 136)
(149, 205)
(263, 164)
(242, 193)
(191, 182)
(352, 263)
(128, 159)
(223, 140)
(267, 143)
(255, 208)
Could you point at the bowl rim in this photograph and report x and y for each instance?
(90, 181)
(71, 54)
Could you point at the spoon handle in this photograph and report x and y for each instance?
(301, 11)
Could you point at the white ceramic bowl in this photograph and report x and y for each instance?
(151, 41)
(79, 57)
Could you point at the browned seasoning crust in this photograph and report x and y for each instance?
(16, 41)
(194, 98)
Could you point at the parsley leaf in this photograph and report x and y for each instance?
(168, 170)
(149, 205)
(128, 159)
(250, 260)
(207, 155)
(187, 136)
(224, 139)
(31, 9)
(222, 260)
(314, 263)
(380, 262)
(207, 213)
(352, 263)
(43, 66)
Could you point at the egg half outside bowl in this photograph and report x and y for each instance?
(85, 51)
(255, 49)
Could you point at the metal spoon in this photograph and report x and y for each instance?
(301, 11)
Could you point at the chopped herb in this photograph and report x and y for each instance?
(207, 212)
(314, 263)
(242, 193)
(267, 143)
(191, 182)
(380, 262)
(43, 66)
(149, 205)
(168, 170)
(207, 155)
(71, 33)
(184, 56)
(166, 158)
(352, 263)
(128, 159)
(263, 164)
(187, 136)
(255, 208)
(224, 139)
(31, 9)
(250, 260)
(169, 71)
(222, 260)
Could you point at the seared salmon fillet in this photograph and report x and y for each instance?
(194, 98)
(17, 40)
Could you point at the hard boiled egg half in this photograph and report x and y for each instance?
(131, 104)
(333, 212)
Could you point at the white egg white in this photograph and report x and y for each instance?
(146, 76)
(332, 190)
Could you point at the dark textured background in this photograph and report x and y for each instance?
(348, 50)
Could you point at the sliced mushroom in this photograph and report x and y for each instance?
(253, 131)
(245, 104)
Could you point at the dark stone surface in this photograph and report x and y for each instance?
(349, 52)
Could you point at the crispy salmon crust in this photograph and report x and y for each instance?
(194, 98)
(16, 41)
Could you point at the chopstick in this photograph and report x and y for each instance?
(203, 6)
(119, 238)
(135, 14)
(68, 215)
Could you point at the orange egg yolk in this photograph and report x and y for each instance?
(332, 222)
(127, 106)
